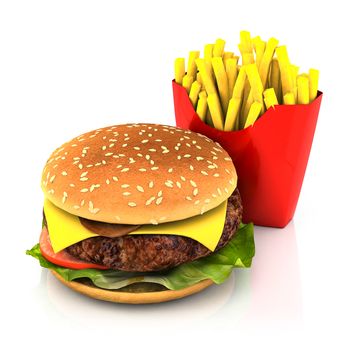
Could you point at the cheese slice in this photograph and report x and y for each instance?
(65, 229)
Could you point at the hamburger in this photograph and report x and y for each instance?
(141, 213)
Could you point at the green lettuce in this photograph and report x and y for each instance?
(218, 266)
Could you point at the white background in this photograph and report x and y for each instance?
(70, 66)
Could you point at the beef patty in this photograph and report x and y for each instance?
(139, 253)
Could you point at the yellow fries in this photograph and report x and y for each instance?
(232, 114)
(284, 64)
(275, 79)
(253, 114)
(179, 70)
(270, 98)
(229, 95)
(202, 107)
(222, 81)
(187, 82)
(303, 90)
(219, 47)
(289, 98)
(255, 82)
(266, 60)
(215, 111)
(191, 67)
(194, 93)
(313, 83)
(259, 48)
(231, 71)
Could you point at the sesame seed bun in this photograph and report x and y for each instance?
(133, 297)
(139, 174)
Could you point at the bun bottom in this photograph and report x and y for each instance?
(127, 297)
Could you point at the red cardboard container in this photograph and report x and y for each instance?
(270, 156)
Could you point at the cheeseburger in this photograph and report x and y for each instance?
(141, 213)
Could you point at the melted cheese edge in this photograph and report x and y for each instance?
(65, 229)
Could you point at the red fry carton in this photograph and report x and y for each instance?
(270, 156)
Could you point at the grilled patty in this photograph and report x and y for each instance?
(154, 252)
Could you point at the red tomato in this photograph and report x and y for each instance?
(62, 258)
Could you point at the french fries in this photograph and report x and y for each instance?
(230, 92)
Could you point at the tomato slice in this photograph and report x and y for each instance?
(63, 258)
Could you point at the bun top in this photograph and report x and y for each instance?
(139, 174)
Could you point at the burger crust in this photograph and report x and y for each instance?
(139, 174)
(141, 253)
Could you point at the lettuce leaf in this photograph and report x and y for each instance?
(218, 266)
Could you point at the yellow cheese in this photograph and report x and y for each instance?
(65, 229)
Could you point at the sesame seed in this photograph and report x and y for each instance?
(168, 184)
(108, 182)
(231, 182)
(166, 151)
(109, 154)
(179, 157)
(207, 200)
(137, 148)
(132, 204)
(195, 192)
(214, 195)
(228, 159)
(188, 145)
(182, 178)
(163, 147)
(144, 141)
(160, 193)
(139, 154)
(226, 190)
(140, 188)
(119, 166)
(219, 191)
(151, 162)
(159, 200)
(178, 184)
(176, 148)
(197, 202)
(80, 166)
(188, 198)
(84, 190)
(84, 179)
(131, 160)
(115, 178)
(147, 156)
(191, 167)
(77, 161)
(199, 158)
(150, 200)
(74, 145)
(194, 142)
(52, 178)
(193, 183)
(76, 207)
(153, 222)
(204, 172)
(199, 147)
(211, 166)
(149, 135)
(71, 185)
(124, 170)
(52, 191)
(126, 193)
(158, 140)
(82, 202)
(104, 148)
(170, 170)
(104, 162)
(124, 144)
(83, 174)
(142, 169)
(94, 210)
(117, 217)
(215, 157)
(155, 168)
(151, 184)
(125, 186)
(187, 156)
(152, 150)
(228, 171)
(216, 175)
(127, 138)
(55, 166)
(89, 165)
(162, 218)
